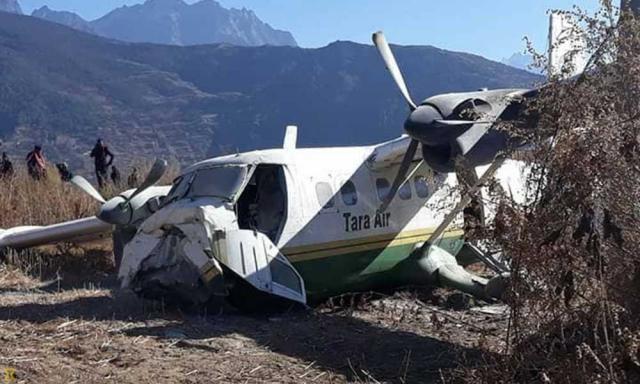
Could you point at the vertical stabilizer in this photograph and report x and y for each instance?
(290, 137)
(567, 56)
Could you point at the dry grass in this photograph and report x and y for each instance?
(24, 201)
(96, 335)
(27, 202)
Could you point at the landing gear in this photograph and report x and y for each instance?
(121, 237)
(443, 268)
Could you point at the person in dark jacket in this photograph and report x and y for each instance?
(6, 167)
(65, 173)
(102, 159)
(115, 176)
(132, 180)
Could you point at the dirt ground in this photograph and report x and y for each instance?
(85, 330)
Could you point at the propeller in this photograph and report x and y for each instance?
(444, 138)
(86, 186)
(118, 210)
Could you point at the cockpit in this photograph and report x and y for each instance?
(224, 182)
(258, 193)
(262, 206)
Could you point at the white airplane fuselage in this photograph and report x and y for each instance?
(327, 225)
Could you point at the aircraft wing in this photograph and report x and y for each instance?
(80, 230)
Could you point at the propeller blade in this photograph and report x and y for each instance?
(155, 174)
(86, 186)
(457, 123)
(402, 174)
(390, 61)
(471, 137)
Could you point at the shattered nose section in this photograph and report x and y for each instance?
(169, 273)
(191, 263)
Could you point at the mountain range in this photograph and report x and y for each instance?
(177, 23)
(63, 88)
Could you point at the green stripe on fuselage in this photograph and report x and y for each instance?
(376, 268)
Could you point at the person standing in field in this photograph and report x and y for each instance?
(115, 176)
(6, 167)
(65, 173)
(132, 180)
(36, 163)
(102, 159)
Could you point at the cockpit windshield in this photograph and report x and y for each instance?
(223, 182)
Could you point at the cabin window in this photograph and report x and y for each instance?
(324, 193)
(223, 182)
(405, 191)
(349, 193)
(383, 186)
(422, 187)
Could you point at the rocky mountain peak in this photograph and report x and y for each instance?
(164, 5)
(177, 23)
(11, 6)
(69, 19)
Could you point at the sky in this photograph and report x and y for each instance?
(491, 28)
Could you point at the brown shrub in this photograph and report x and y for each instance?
(575, 246)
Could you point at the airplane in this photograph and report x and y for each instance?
(303, 224)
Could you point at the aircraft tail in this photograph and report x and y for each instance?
(567, 56)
